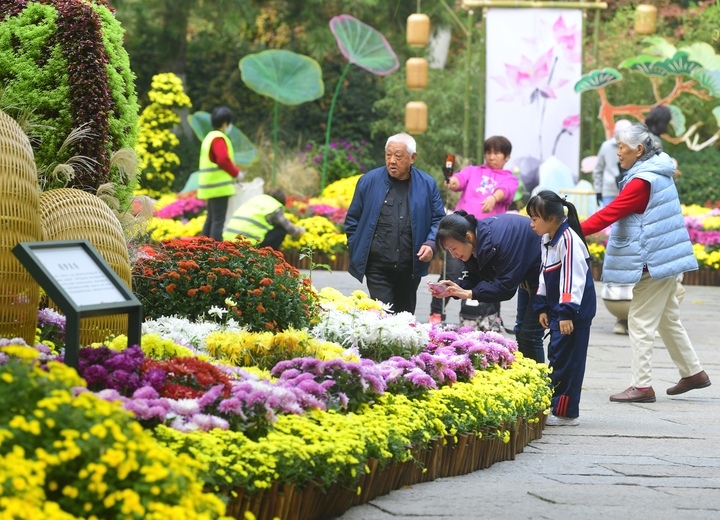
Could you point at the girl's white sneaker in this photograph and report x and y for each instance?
(558, 420)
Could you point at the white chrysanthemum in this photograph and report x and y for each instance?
(217, 311)
(186, 332)
(368, 329)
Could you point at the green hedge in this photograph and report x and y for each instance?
(700, 179)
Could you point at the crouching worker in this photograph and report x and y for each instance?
(262, 221)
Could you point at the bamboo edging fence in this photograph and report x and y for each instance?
(446, 457)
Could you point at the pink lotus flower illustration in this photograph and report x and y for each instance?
(530, 80)
(567, 40)
(571, 123)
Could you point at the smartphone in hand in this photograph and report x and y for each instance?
(438, 289)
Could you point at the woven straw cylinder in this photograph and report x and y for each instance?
(19, 222)
(70, 214)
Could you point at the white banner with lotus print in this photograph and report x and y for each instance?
(533, 62)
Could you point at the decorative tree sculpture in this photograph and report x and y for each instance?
(287, 77)
(366, 48)
(695, 69)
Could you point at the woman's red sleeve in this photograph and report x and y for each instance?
(633, 198)
(219, 155)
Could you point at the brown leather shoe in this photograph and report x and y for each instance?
(633, 395)
(699, 380)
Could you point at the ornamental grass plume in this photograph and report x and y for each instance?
(185, 278)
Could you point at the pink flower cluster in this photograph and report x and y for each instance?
(182, 209)
(333, 214)
(696, 229)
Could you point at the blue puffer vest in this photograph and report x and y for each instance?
(656, 239)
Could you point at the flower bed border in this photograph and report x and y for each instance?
(446, 457)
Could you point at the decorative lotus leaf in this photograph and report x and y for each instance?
(659, 46)
(716, 113)
(363, 45)
(597, 79)
(287, 77)
(680, 64)
(677, 119)
(704, 54)
(245, 152)
(644, 65)
(710, 79)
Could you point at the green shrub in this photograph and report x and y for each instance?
(444, 97)
(344, 159)
(700, 179)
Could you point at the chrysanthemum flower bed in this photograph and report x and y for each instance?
(299, 423)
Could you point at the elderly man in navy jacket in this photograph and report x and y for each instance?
(391, 226)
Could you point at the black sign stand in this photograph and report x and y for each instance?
(82, 284)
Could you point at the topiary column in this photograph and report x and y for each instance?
(63, 61)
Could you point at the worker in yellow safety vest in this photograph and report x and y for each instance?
(218, 172)
(262, 221)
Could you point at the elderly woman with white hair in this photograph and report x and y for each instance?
(649, 246)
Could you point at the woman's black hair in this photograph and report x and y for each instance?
(548, 206)
(219, 116)
(658, 120)
(456, 226)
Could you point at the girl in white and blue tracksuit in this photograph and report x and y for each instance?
(565, 300)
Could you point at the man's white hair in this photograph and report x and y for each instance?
(405, 139)
(620, 125)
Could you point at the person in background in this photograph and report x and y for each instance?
(606, 177)
(262, 221)
(391, 225)
(486, 190)
(218, 172)
(501, 255)
(657, 122)
(565, 300)
(649, 246)
(606, 173)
